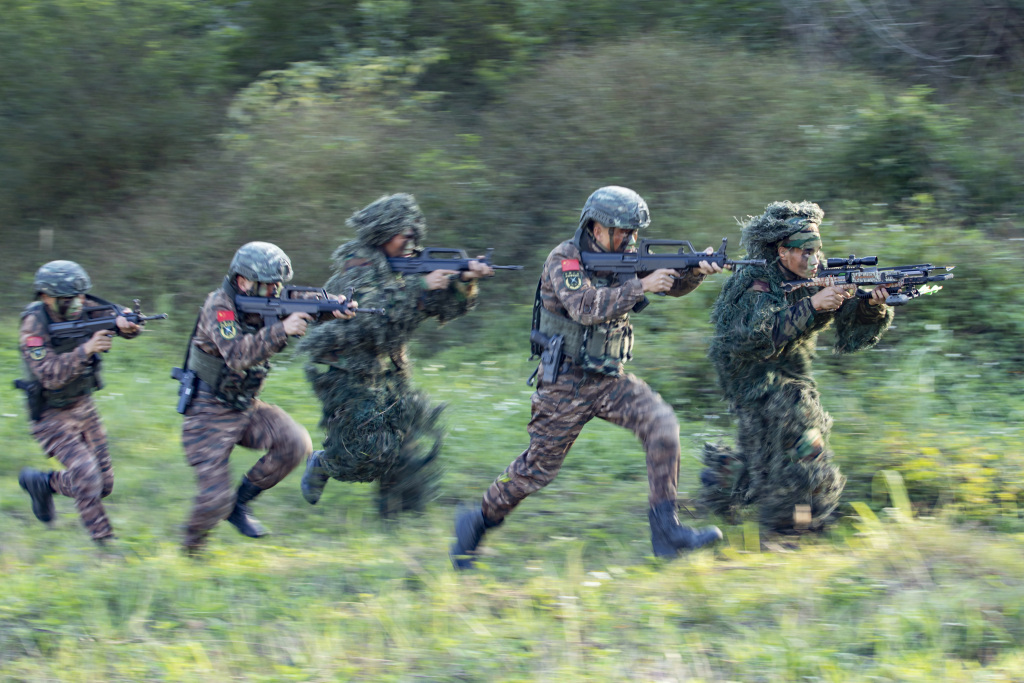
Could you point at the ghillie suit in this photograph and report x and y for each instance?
(762, 349)
(378, 428)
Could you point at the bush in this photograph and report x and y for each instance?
(93, 93)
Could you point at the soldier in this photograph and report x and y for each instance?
(762, 349)
(378, 428)
(61, 376)
(229, 353)
(591, 313)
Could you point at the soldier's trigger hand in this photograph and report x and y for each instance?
(296, 323)
(99, 342)
(660, 280)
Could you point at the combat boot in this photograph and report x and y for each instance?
(37, 485)
(470, 527)
(668, 536)
(240, 516)
(314, 479)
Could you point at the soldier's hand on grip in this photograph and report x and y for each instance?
(99, 342)
(660, 280)
(295, 324)
(831, 298)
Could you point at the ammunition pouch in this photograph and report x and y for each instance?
(600, 348)
(235, 390)
(89, 381)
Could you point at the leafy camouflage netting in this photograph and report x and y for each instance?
(762, 350)
(377, 427)
(387, 217)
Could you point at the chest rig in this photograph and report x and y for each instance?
(86, 383)
(234, 389)
(600, 348)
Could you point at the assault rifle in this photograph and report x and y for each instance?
(646, 260)
(429, 259)
(86, 326)
(294, 299)
(902, 282)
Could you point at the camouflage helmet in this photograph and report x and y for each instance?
(261, 262)
(615, 207)
(62, 278)
(391, 215)
(761, 234)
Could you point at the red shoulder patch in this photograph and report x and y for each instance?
(223, 316)
(570, 264)
(760, 286)
(33, 342)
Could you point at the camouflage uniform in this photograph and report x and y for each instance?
(762, 350)
(561, 409)
(69, 428)
(230, 352)
(378, 428)
(591, 383)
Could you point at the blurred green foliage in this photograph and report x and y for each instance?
(153, 138)
(94, 93)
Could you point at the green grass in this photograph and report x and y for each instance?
(566, 590)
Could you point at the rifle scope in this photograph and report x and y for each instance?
(851, 262)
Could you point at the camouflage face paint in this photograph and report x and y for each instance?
(67, 307)
(271, 289)
(410, 243)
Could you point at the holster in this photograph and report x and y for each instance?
(551, 356)
(34, 395)
(187, 389)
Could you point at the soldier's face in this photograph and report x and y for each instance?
(802, 262)
(65, 307)
(400, 245)
(615, 239)
(271, 289)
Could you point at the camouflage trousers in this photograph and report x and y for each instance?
(211, 430)
(378, 428)
(782, 464)
(75, 436)
(561, 409)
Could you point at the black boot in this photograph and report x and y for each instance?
(240, 517)
(668, 536)
(470, 527)
(37, 485)
(314, 479)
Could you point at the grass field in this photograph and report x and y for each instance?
(567, 588)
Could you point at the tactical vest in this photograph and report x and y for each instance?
(229, 387)
(86, 383)
(601, 348)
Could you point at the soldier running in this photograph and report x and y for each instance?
(229, 353)
(589, 311)
(61, 375)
